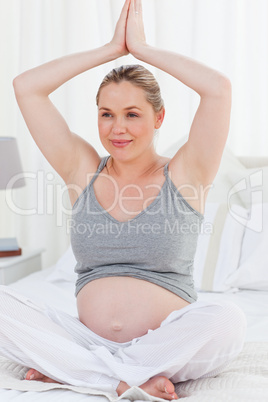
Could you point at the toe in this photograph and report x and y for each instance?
(170, 390)
(166, 386)
(33, 374)
(29, 374)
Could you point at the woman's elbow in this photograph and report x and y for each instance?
(219, 86)
(224, 86)
(19, 85)
(24, 85)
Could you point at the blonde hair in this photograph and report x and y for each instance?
(138, 76)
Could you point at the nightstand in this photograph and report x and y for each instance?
(14, 268)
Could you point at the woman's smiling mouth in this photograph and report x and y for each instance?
(121, 143)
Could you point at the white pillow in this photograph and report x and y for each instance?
(64, 268)
(252, 272)
(250, 185)
(219, 246)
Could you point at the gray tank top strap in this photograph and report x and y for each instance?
(166, 170)
(99, 169)
(94, 177)
(102, 163)
(178, 194)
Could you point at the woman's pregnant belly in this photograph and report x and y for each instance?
(123, 308)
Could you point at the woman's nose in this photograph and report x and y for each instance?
(119, 126)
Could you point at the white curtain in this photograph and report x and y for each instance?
(228, 35)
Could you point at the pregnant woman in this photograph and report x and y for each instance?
(133, 232)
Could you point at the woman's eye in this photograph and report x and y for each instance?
(106, 115)
(132, 115)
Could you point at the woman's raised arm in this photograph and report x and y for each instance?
(65, 151)
(202, 153)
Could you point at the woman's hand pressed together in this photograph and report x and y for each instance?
(135, 36)
(119, 39)
(129, 33)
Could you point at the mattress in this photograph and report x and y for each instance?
(244, 379)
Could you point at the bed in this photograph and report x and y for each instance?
(231, 264)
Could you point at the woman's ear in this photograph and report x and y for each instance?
(159, 118)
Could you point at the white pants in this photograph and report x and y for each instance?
(196, 341)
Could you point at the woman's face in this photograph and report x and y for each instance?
(126, 120)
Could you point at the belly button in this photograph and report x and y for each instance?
(117, 326)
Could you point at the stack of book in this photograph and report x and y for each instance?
(9, 247)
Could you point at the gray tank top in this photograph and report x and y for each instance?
(158, 245)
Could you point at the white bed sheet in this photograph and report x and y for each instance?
(61, 295)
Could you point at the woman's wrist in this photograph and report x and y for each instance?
(140, 51)
(111, 52)
(115, 51)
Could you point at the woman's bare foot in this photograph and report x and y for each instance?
(34, 375)
(156, 386)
